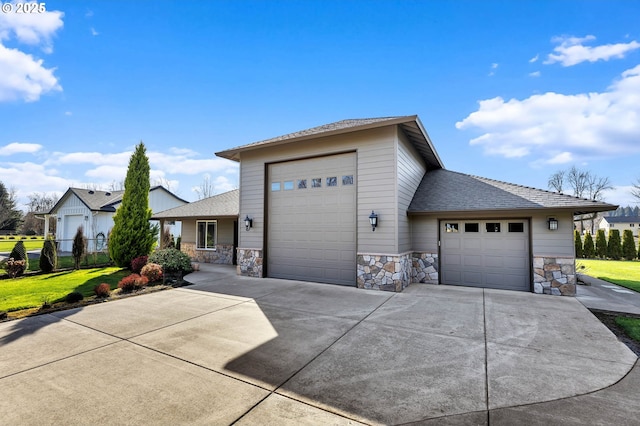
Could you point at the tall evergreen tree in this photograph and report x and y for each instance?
(10, 216)
(601, 244)
(628, 245)
(48, 256)
(577, 241)
(77, 249)
(614, 246)
(588, 249)
(132, 234)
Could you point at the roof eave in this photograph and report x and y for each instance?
(576, 210)
(234, 153)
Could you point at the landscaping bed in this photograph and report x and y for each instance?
(608, 318)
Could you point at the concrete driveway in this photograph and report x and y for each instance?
(237, 350)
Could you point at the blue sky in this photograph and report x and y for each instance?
(509, 90)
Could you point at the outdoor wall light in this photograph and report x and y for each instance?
(59, 218)
(248, 223)
(86, 218)
(553, 223)
(373, 219)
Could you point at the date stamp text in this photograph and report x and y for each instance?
(23, 7)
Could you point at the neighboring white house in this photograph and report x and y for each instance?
(94, 211)
(621, 223)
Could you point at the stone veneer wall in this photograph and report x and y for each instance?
(223, 254)
(424, 268)
(250, 262)
(383, 272)
(554, 275)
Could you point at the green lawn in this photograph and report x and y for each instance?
(625, 273)
(6, 245)
(631, 326)
(32, 291)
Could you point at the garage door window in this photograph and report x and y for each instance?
(347, 180)
(516, 227)
(275, 186)
(206, 238)
(316, 183)
(288, 185)
(451, 227)
(332, 181)
(471, 227)
(493, 226)
(302, 184)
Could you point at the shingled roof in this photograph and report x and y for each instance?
(223, 205)
(447, 191)
(101, 201)
(410, 124)
(622, 219)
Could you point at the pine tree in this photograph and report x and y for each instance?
(614, 246)
(601, 244)
(77, 249)
(577, 242)
(132, 234)
(628, 245)
(48, 256)
(10, 216)
(588, 250)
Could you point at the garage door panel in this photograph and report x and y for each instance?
(489, 259)
(317, 224)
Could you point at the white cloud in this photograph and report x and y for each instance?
(23, 76)
(494, 67)
(571, 51)
(555, 126)
(534, 74)
(19, 148)
(94, 32)
(31, 28)
(534, 59)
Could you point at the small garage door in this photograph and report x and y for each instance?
(311, 232)
(485, 253)
(71, 225)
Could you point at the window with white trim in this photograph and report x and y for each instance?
(206, 234)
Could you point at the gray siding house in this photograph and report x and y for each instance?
(309, 199)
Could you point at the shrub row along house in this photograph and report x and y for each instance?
(368, 203)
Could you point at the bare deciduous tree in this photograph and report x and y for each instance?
(206, 188)
(584, 184)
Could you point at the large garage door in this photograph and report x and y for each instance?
(71, 225)
(311, 232)
(485, 253)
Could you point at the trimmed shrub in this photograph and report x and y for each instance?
(601, 244)
(102, 290)
(73, 297)
(577, 241)
(614, 246)
(171, 260)
(628, 245)
(152, 271)
(19, 252)
(588, 249)
(178, 242)
(78, 248)
(138, 263)
(48, 256)
(132, 282)
(15, 268)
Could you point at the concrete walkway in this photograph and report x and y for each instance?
(605, 296)
(236, 350)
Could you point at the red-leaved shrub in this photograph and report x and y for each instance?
(138, 263)
(102, 290)
(152, 271)
(132, 282)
